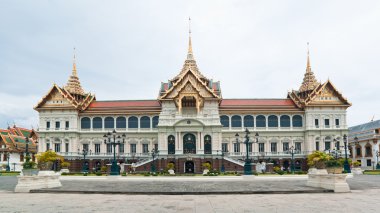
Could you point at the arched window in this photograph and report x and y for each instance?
(109, 123)
(145, 122)
(171, 145)
(272, 121)
(248, 121)
(225, 120)
(236, 121)
(85, 123)
(155, 121)
(297, 121)
(121, 122)
(97, 123)
(260, 121)
(132, 122)
(285, 121)
(207, 144)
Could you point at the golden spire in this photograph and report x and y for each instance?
(190, 49)
(309, 82)
(73, 84)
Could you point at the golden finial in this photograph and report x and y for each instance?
(308, 58)
(190, 49)
(74, 65)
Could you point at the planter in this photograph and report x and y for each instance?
(334, 170)
(171, 172)
(30, 172)
(205, 171)
(357, 171)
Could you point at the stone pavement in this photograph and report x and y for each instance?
(364, 198)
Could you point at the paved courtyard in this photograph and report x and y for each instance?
(364, 198)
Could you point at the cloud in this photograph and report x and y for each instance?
(256, 49)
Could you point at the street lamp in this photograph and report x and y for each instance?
(222, 169)
(292, 151)
(154, 153)
(377, 154)
(84, 153)
(117, 140)
(247, 164)
(8, 167)
(346, 165)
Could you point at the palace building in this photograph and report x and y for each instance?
(190, 123)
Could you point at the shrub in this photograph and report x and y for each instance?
(147, 174)
(85, 174)
(170, 166)
(356, 164)
(98, 174)
(317, 159)
(124, 174)
(333, 163)
(46, 159)
(103, 169)
(206, 166)
(64, 173)
(276, 169)
(29, 164)
(280, 172)
(65, 164)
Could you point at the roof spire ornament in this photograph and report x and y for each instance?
(73, 84)
(309, 82)
(190, 49)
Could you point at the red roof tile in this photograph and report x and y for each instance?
(138, 103)
(256, 102)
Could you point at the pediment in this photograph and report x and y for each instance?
(189, 84)
(56, 98)
(327, 95)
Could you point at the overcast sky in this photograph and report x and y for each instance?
(125, 49)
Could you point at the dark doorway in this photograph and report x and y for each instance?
(189, 144)
(286, 165)
(189, 167)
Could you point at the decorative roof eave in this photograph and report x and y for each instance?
(320, 88)
(87, 101)
(296, 100)
(181, 78)
(55, 86)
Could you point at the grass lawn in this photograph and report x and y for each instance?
(9, 173)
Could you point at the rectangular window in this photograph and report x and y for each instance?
(22, 157)
(316, 122)
(133, 148)
(273, 147)
(67, 125)
(327, 123)
(5, 157)
(337, 145)
(47, 125)
(250, 147)
(337, 123)
(85, 147)
(224, 147)
(47, 146)
(145, 148)
(369, 162)
(109, 148)
(285, 146)
(368, 151)
(97, 148)
(66, 147)
(327, 145)
(298, 147)
(261, 147)
(57, 125)
(121, 148)
(236, 147)
(57, 147)
(317, 146)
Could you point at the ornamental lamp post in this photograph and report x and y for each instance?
(292, 151)
(84, 153)
(247, 164)
(154, 153)
(8, 167)
(117, 140)
(377, 154)
(346, 165)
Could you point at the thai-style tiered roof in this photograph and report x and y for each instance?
(69, 96)
(13, 139)
(309, 82)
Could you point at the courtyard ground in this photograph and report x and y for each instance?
(363, 198)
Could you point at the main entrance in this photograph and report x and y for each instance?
(189, 167)
(189, 144)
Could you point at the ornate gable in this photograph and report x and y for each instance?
(327, 94)
(57, 98)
